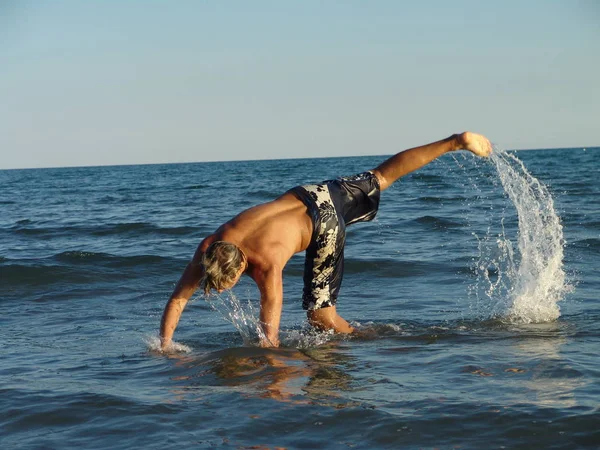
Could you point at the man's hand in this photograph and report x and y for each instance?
(475, 143)
(165, 344)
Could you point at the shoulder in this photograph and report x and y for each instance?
(202, 247)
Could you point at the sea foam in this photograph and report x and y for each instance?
(244, 316)
(153, 345)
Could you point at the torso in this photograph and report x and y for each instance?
(269, 234)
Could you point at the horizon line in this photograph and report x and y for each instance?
(265, 159)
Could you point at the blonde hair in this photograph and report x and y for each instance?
(222, 262)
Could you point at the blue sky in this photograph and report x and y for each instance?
(132, 82)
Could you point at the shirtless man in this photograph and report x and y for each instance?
(262, 239)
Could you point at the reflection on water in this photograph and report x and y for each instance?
(417, 366)
(552, 379)
(311, 376)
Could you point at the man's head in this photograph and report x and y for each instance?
(223, 264)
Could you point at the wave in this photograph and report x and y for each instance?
(125, 227)
(592, 225)
(394, 267)
(75, 267)
(397, 268)
(590, 244)
(70, 409)
(196, 186)
(108, 259)
(436, 200)
(439, 223)
(111, 261)
(428, 177)
(17, 275)
(139, 228)
(78, 256)
(263, 194)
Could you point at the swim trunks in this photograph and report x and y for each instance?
(333, 205)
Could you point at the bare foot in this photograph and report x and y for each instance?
(475, 143)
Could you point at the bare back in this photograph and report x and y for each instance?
(269, 234)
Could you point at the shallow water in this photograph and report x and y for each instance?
(89, 256)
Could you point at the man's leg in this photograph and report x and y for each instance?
(410, 160)
(328, 319)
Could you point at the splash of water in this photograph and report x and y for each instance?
(524, 283)
(153, 344)
(306, 337)
(243, 317)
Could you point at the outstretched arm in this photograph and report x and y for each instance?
(187, 285)
(410, 160)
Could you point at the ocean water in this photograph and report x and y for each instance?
(476, 291)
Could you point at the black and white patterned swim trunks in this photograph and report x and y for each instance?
(333, 205)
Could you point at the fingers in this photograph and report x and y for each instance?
(477, 144)
(486, 147)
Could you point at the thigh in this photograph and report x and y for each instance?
(356, 197)
(324, 263)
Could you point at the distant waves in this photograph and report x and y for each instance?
(80, 267)
(27, 227)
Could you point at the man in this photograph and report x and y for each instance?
(262, 239)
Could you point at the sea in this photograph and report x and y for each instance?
(475, 293)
